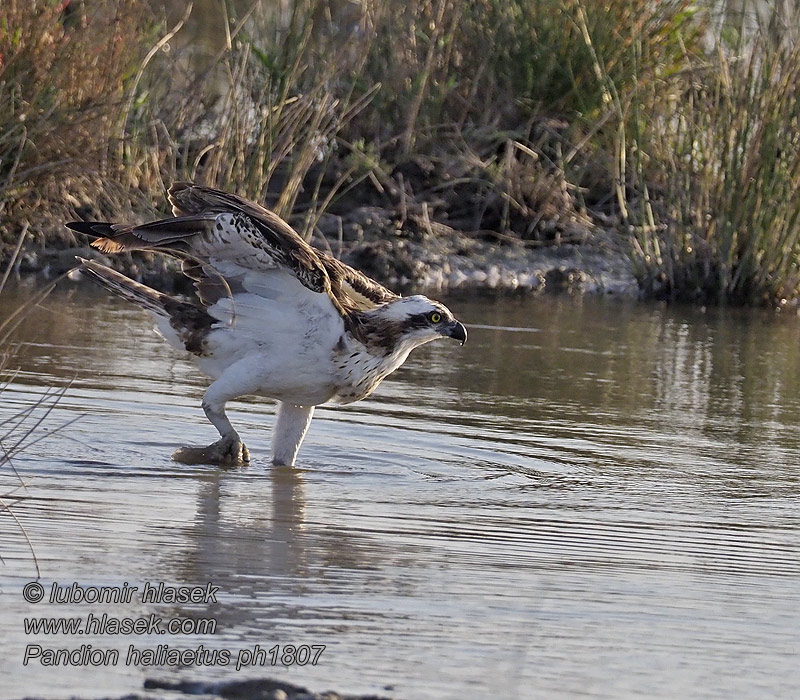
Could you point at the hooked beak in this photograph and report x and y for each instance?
(456, 331)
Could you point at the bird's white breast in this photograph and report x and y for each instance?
(280, 335)
(359, 372)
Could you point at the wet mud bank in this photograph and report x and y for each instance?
(250, 689)
(406, 259)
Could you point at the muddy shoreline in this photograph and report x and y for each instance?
(250, 689)
(420, 261)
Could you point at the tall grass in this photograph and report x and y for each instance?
(516, 120)
(722, 168)
(62, 80)
(473, 114)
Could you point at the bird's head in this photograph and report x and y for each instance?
(412, 321)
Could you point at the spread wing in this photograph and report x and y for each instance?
(227, 240)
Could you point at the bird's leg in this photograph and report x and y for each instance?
(291, 425)
(229, 450)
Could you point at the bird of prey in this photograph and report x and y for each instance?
(274, 316)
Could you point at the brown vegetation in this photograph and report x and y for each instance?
(517, 121)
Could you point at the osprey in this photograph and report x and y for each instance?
(275, 316)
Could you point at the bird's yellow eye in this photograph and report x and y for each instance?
(435, 317)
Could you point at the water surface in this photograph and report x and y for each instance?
(590, 499)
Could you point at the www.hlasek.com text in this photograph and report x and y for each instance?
(109, 625)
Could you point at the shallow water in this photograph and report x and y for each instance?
(590, 499)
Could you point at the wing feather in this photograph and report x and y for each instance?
(225, 237)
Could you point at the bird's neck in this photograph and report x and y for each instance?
(381, 336)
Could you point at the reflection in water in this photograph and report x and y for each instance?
(591, 498)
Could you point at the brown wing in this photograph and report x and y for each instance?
(221, 231)
(188, 199)
(357, 291)
(216, 227)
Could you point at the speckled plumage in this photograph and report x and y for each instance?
(275, 316)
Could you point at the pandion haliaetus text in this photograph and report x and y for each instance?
(275, 316)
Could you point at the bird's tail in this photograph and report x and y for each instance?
(181, 322)
(125, 287)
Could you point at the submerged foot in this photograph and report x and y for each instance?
(225, 452)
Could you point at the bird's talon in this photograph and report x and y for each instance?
(225, 453)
